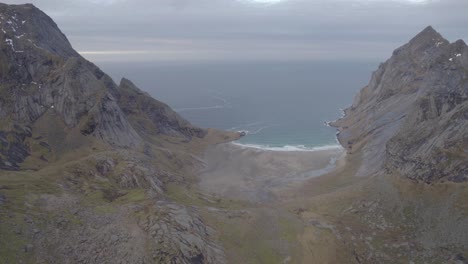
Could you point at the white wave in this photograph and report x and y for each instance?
(290, 148)
(343, 110)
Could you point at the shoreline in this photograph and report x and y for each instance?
(286, 148)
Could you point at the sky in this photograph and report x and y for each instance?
(249, 30)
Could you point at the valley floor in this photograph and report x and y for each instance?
(311, 207)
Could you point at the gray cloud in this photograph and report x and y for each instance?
(231, 30)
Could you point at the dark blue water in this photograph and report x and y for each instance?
(281, 105)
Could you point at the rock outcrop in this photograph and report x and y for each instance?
(412, 117)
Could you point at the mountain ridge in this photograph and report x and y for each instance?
(409, 106)
(47, 75)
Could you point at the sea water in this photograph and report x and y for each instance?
(281, 106)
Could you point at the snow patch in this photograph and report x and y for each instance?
(458, 54)
(10, 42)
(451, 59)
(12, 25)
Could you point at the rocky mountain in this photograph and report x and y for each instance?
(86, 163)
(412, 117)
(406, 170)
(43, 78)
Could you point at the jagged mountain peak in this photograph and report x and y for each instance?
(460, 42)
(428, 31)
(424, 47)
(127, 84)
(428, 36)
(25, 28)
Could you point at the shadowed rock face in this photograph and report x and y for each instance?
(412, 117)
(40, 73)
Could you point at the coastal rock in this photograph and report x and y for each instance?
(412, 117)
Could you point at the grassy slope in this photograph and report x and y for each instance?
(71, 182)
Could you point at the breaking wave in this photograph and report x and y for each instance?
(288, 147)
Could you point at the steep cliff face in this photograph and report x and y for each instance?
(412, 117)
(41, 74)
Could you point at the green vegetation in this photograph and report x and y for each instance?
(22, 192)
(105, 209)
(288, 230)
(12, 238)
(133, 196)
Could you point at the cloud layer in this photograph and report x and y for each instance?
(244, 30)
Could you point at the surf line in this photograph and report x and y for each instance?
(290, 148)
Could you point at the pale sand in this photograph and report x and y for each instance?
(255, 175)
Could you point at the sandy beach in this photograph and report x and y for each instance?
(252, 174)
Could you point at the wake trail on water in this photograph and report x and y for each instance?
(248, 125)
(259, 130)
(225, 104)
(199, 108)
(253, 128)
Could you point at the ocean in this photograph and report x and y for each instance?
(281, 106)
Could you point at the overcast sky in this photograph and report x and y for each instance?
(245, 30)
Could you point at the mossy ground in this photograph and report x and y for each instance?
(21, 190)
